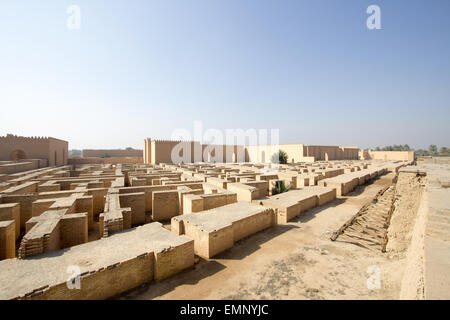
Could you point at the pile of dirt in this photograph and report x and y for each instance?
(409, 191)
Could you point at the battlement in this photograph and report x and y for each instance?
(12, 138)
(171, 141)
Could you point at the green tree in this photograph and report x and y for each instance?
(433, 149)
(280, 157)
(422, 153)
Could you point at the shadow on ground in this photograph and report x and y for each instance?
(151, 290)
(247, 246)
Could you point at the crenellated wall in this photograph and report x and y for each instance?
(160, 151)
(15, 148)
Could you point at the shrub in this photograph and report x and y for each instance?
(280, 157)
(280, 187)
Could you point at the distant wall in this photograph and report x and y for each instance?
(33, 148)
(147, 150)
(331, 152)
(15, 167)
(160, 151)
(387, 155)
(433, 160)
(58, 152)
(294, 152)
(301, 153)
(87, 153)
(223, 153)
(97, 160)
(13, 148)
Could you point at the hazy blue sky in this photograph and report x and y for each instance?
(141, 69)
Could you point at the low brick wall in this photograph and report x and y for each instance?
(115, 264)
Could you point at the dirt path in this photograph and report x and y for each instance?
(292, 261)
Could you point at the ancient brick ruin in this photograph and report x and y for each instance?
(127, 224)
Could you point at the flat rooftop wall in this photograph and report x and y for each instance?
(119, 153)
(218, 229)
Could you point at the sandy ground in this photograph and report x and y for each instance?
(292, 261)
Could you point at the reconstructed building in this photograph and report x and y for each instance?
(386, 155)
(162, 151)
(122, 225)
(27, 153)
(117, 153)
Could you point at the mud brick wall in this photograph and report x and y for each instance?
(7, 239)
(11, 211)
(252, 224)
(148, 193)
(222, 183)
(98, 199)
(25, 188)
(326, 197)
(289, 178)
(86, 204)
(73, 229)
(47, 187)
(211, 201)
(99, 184)
(38, 207)
(261, 186)
(308, 202)
(243, 192)
(350, 185)
(174, 260)
(284, 213)
(302, 181)
(169, 256)
(25, 202)
(135, 201)
(192, 203)
(52, 241)
(165, 205)
(332, 173)
(30, 224)
(123, 276)
(210, 244)
(4, 186)
(182, 191)
(119, 153)
(137, 182)
(17, 167)
(231, 197)
(43, 234)
(103, 283)
(215, 239)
